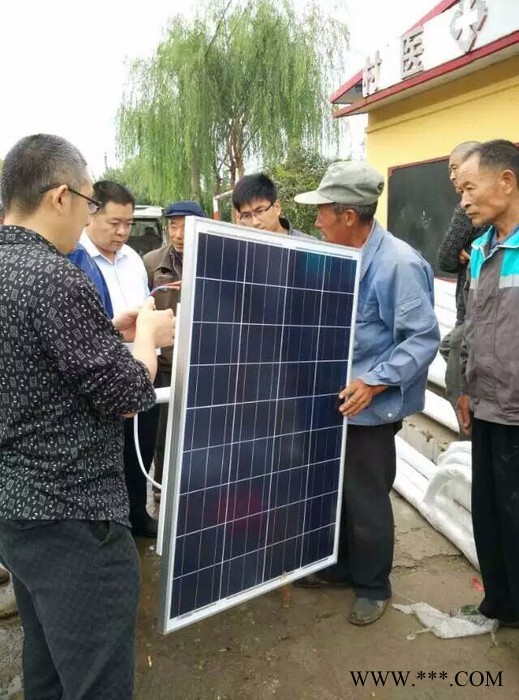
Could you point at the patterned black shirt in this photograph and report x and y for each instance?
(66, 378)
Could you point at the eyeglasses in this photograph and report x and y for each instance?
(260, 211)
(93, 205)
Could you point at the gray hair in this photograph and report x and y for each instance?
(35, 162)
(498, 154)
(462, 149)
(365, 212)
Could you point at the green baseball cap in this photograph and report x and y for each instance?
(351, 182)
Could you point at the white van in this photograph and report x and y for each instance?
(147, 230)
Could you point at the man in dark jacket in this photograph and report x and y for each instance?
(453, 256)
(164, 268)
(489, 183)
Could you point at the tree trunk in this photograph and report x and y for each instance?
(240, 166)
(217, 179)
(196, 190)
(239, 148)
(238, 156)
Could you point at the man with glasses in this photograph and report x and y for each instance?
(67, 381)
(104, 239)
(257, 205)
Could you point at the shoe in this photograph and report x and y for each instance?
(316, 581)
(514, 624)
(365, 611)
(4, 576)
(474, 611)
(147, 528)
(468, 610)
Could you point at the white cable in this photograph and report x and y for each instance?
(138, 452)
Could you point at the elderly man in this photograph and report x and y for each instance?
(164, 268)
(453, 256)
(396, 339)
(488, 180)
(70, 379)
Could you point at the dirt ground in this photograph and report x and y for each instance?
(308, 651)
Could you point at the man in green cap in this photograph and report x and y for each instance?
(396, 339)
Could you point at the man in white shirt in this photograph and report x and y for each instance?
(104, 239)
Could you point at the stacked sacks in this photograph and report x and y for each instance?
(441, 493)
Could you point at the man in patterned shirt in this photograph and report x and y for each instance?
(67, 380)
(4, 575)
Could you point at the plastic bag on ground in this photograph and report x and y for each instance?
(448, 626)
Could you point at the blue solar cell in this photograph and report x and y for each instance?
(233, 259)
(300, 344)
(266, 264)
(317, 544)
(257, 382)
(262, 436)
(330, 377)
(259, 343)
(284, 556)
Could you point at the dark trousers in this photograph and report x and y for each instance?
(136, 482)
(77, 589)
(162, 379)
(367, 539)
(495, 515)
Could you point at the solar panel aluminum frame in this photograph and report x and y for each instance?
(177, 413)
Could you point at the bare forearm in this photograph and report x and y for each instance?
(144, 350)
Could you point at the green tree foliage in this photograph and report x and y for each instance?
(241, 81)
(300, 171)
(132, 175)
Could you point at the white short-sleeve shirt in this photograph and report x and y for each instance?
(125, 276)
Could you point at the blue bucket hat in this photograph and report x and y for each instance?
(186, 208)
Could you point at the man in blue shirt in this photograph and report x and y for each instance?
(396, 339)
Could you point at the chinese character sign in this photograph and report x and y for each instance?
(371, 75)
(412, 50)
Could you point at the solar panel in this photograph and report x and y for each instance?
(262, 349)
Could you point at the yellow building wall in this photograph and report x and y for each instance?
(481, 106)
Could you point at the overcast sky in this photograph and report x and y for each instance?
(64, 64)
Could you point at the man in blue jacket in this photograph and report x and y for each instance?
(82, 259)
(396, 339)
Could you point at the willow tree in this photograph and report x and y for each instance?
(238, 83)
